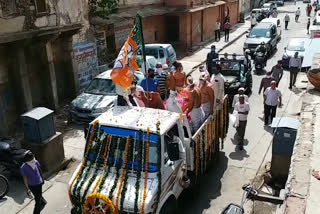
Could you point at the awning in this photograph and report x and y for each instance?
(310, 51)
(285, 122)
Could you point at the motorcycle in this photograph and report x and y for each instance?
(11, 157)
(4, 186)
(260, 62)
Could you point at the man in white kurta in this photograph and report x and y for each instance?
(217, 81)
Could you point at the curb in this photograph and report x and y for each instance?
(224, 47)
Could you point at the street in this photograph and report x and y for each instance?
(222, 184)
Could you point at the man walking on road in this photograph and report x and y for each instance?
(298, 12)
(294, 67)
(211, 57)
(272, 99)
(266, 82)
(217, 30)
(227, 28)
(286, 21)
(277, 72)
(243, 108)
(308, 25)
(237, 97)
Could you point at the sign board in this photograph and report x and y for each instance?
(85, 57)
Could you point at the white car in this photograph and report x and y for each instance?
(164, 53)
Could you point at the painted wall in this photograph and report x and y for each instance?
(154, 25)
(234, 11)
(210, 17)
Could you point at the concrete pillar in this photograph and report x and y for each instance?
(25, 85)
(52, 76)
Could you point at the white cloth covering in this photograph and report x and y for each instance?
(206, 108)
(217, 81)
(197, 117)
(172, 102)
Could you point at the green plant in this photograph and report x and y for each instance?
(102, 8)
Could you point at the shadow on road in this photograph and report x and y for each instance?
(207, 189)
(239, 154)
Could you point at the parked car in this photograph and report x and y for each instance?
(277, 22)
(294, 45)
(163, 53)
(258, 14)
(316, 21)
(266, 32)
(151, 63)
(97, 98)
(267, 8)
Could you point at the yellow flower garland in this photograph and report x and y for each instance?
(123, 173)
(85, 158)
(90, 204)
(146, 173)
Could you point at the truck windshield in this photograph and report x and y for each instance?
(259, 32)
(118, 141)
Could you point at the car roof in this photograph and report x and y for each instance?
(158, 45)
(267, 4)
(138, 118)
(256, 9)
(105, 75)
(298, 41)
(264, 25)
(270, 20)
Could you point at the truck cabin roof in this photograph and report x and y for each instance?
(138, 118)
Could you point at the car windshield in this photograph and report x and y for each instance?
(101, 87)
(151, 52)
(259, 32)
(296, 46)
(229, 68)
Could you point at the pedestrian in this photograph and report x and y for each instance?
(294, 67)
(150, 83)
(33, 181)
(162, 79)
(217, 30)
(309, 9)
(236, 97)
(266, 82)
(298, 12)
(227, 28)
(308, 25)
(286, 21)
(211, 57)
(242, 108)
(272, 99)
(253, 21)
(217, 82)
(277, 72)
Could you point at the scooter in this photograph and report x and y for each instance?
(11, 157)
(260, 62)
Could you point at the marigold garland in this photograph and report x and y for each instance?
(84, 161)
(117, 163)
(91, 201)
(124, 170)
(146, 173)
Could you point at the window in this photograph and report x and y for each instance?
(41, 6)
(8, 8)
(152, 52)
(171, 51)
(161, 53)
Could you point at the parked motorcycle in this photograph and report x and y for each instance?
(11, 157)
(260, 62)
(4, 186)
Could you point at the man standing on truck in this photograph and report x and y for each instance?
(162, 79)
(207, 96)
(243, 108)
(217, 81)
(194, 108)
(286, 21)
(210, 59)
(150, 83)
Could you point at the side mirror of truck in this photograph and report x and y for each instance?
(173, 151)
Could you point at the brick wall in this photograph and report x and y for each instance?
(233, 11)
(196, 27)
(153, 27)
(210, 17)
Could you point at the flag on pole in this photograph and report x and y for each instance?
(126, 62)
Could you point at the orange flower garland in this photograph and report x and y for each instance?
(146, 173)
(85, 159)
(124, 170)
(91, 200)
(104, 163)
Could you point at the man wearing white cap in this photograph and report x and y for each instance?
(272, 99)
(217, 80)
(207, 96)
(236, 97)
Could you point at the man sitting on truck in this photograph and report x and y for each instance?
(194, 108)
(207, 96)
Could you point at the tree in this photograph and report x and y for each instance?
(102, 8)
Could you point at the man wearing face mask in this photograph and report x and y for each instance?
(272, 99)
(217, 81)
(207, 96)
(162, 80)
(211, 57)
(266, 82)
(33, 181)
(150, 83)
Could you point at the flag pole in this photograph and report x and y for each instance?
(143, 51)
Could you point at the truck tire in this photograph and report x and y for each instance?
(170, 207)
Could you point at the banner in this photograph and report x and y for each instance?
(126, 62)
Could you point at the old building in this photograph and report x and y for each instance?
(183, 23)
(36, 57)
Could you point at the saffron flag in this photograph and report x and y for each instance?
(126, 62)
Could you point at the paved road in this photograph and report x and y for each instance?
(222, 185)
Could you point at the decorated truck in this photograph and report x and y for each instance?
(139, 160)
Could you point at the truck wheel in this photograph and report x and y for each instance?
(170, 207)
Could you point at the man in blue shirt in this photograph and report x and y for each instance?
(211, 56)
(153, 85)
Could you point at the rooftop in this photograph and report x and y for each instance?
(139, 118)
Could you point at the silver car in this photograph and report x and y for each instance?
(97, 98)
(295, 45)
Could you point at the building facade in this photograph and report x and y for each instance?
(36, 55)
